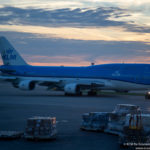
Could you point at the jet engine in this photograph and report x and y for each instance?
(26, 85)
(72, 89)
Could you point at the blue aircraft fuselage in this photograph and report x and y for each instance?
(134, 73)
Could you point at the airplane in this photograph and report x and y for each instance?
(72, 80)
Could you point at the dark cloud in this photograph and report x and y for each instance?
(66, 17)
(136, 28)
(59, 17)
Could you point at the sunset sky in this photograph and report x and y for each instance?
(77, 32)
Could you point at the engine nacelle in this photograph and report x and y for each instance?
(72, 88)
(26, 85)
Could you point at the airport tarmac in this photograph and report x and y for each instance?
(16, 106)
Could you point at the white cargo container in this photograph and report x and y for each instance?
(126, 109)
(41, 128)
(112, 122)
(94, 121)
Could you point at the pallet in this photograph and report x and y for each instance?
(10, 135)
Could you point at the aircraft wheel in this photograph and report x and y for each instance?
(77, 94)
(92, 93)
(67, 94)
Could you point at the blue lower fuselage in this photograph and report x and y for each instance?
(134, 73)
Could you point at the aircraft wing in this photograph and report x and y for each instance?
(42, 81)
(49, 81)
(7, 78)
(57, 83)
(61, 82)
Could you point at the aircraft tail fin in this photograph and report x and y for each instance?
(9, 55)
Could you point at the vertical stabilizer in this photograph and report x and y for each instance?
(9, 55)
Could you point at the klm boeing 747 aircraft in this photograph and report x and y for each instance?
(72, 80)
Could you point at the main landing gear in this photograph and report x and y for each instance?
(77, 94)
(92, 93)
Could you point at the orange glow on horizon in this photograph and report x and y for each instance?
(82, 62)
(57, 64)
